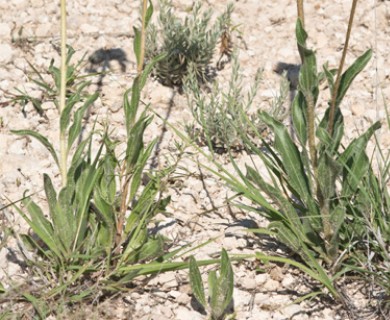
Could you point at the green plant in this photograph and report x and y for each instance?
(95, 239)
(220, 287)
(220, 115)
(314, 185)
(189, 45)
(371, 212)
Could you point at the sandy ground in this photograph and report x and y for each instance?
(29, 31)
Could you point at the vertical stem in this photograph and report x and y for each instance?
(63, 142)
(143, 32)
(332, 110)
(301, 14)
(125, 170)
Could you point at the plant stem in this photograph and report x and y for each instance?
(301, 14)
(63, 144)
(125, 171)
(333, 107)
(143, 31)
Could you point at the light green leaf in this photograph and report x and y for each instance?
(149, 67)
(137, 44)
(41, 139)
(131, 108)
(149, 13)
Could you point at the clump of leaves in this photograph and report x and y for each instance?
(94, 238)
(220, 287)
(371, 212)
(189, 45)
(314, 187)
(221, 115)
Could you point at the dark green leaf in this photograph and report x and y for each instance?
(41, 226)
(139, 169)
(350, 74)
(329, 77)
(151, 249)
(226, 280)
(75, 128)
(292, 162)
(196, 282)
(135, 142)
(355, 161)
(299, 117)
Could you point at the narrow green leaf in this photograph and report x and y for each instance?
(137, 44)
(135, 142)
(196, 282)
(39, 305)
(84, 188)
(139, 169)
(136, 241)
(51, 194)
(64, 223)
(329, 77)
(292, 162)
(131, 108)
(65, 115)
(145, 208)
(149, 67)
(41, 139)
(355, 161)
(41, 226)
(350, 74)
(328, 171)
(213, 287)
(149, 13)
(75, 128)
(300, 33)
(317, 273)
(226, 281)
(151, 249)
(299, 117)
(331, 144)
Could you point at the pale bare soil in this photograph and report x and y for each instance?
(198, 209)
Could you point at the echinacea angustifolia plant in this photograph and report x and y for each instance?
(314, 185)
(94, 239)
(189, 45)
(220, 288)
(315, 181)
